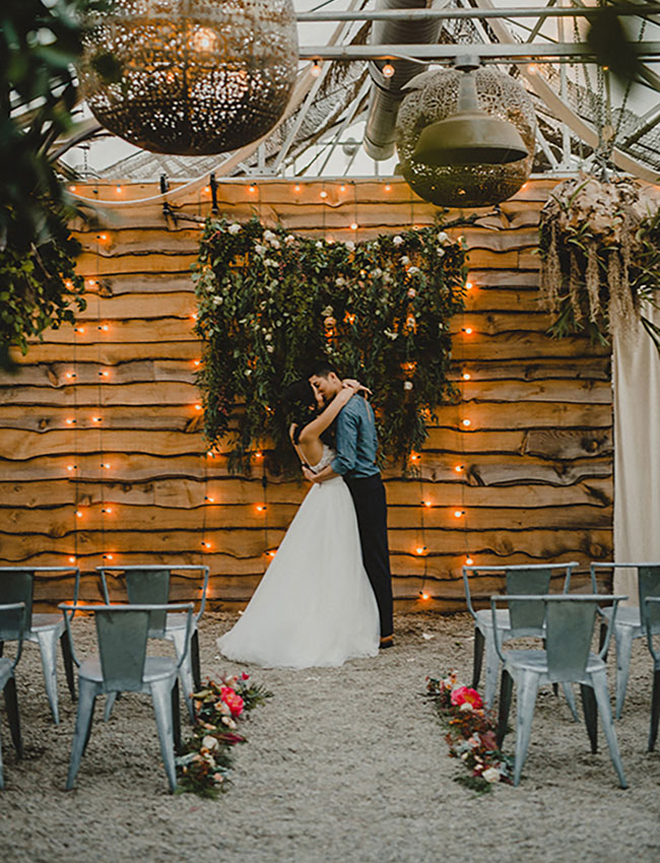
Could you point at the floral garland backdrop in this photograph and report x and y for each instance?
(270, 302)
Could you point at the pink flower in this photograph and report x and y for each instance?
(245, 676)
(465, 695)
(233, 701)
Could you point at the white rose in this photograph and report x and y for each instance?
(377, 273)
(319, 244)
(491, 774)
(405, 260)
(465, 706)
(259, 249)
(234, 229)
(413, 271)
(397, 240)
(268, 337)
(289, 239)
(270, 349)
(444, 238)
(268, 236)
(269, 262)
(275, 244)
(217, 301)
(209, 742)
(440, 251)
(340, 282)
(247, 372)
(407, 385)
(350, 245)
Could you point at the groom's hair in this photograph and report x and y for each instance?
(321, 369)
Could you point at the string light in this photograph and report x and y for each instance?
(388, 188)
(107, 509)
(258, 454)
(466, 376)
(414, 456)
(323, 193)
(252, 188)
(198, 407)
(72, 188)
(354, 226)
(427, 503)
(70, 421)
(210, 499)
(342, 188)
(420, 549)
(108, 557)
(315, 70)
(467, 331)
(467, 423)
(103, 237)
(261, 507)
(104, 374)
(79, 513)
(118, 189)
(424, 595)
(206, 544)
(468, 286)
(79, 330)
(532, 68)
(469, 561)
(71, 467)
(388, 70)
(70, 375)
(458, 513)
(72, 560)
(296, 188)
(104, 327)
(197, 362)
(459, 468)
(105, 466)
(96, 419)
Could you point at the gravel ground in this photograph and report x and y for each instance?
(343, 764)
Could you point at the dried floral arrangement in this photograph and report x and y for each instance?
(600, 256)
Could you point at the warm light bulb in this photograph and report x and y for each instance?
(211, 499)
(467, 423)
(469, 561)
(258, 455)
(198, 407)
(197, 362)
(108, 556)
(532, 68)
(420, 549)
(424, 595)
(91, 283)
(206, 545)
(261, 507)
(468, 286)
(458, 513)
(252, 188)
(72, 188)
(388, 188)
(467, 331)
(103, 237)
(104, 374)
(105, 328)
(414, 457)
(118, 188)
(71, 467)
(96, 419)
(458, 468)
(315, 71)
(72, 560)
(107, 509)
(105, 466)
(323, 193)
(354, 226)
(193, 315)
(210, 454)
(466, 376)
(80, 330)
(342, 188)
(207, 189)
(388, 70)
(296, 188)
(69, 421)
(79, 513)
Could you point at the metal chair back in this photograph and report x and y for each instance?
(17, 586)
(527, 617)
(652, 615)
(648, 585)
(12, 625)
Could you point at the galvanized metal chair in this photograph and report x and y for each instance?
(17, 585)
(525, 578)
(123, 666)
(151, 584)
(652, 623)
(12, 626)
(630, 620)
(567, 658)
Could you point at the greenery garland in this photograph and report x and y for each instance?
(270, 302)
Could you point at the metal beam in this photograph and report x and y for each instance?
(641, 11)
(537, 51)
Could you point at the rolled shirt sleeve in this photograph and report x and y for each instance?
(347, 438)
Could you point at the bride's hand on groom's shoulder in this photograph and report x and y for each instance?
(356, 386)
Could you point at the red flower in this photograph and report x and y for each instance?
(465, 695)
(233, 701)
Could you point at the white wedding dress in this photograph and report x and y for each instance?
(314, 605)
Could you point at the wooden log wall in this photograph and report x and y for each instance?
(103, 460)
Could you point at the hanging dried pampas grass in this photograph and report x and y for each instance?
(600, 255)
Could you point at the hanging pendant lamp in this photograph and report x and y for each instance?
(470, 136)
(443, 173)
(189, 77)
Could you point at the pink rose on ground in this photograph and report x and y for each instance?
(465, 695)
(245, 676)
(233, 701)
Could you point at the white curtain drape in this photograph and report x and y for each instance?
(636, 382)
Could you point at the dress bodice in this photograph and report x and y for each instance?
(326, 459)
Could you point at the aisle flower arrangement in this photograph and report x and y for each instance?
(470, 732)
(205, 760)
(271, 302)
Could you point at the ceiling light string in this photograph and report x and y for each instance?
(465, 424)
(98, 417)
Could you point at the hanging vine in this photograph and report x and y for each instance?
(270, 302)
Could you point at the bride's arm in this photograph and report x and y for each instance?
(321, 476)
(323, 420)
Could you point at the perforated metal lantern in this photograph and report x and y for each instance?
(190, 77)
(433, 97)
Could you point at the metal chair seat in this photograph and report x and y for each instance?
(537, 661)
(155, 668)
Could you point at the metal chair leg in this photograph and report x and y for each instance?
(48, 649)
(194, 661)
(11, 703)
(87, 691)
(590, 715)
(506, 688)
(624, 638)
(655, 710)
(602, 635)
(67, 656)
(161, 694)
(599, 680)
(570, 698)
(528, 684)
(176, 716)
(178, 636)
(110, 699)
(492, 668)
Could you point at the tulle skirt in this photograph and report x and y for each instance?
(314, 605)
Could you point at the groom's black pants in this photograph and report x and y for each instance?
(371, 508)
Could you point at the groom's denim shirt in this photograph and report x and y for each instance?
(356, 440)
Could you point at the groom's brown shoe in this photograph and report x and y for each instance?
(386, 641)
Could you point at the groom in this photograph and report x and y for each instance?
(357, 444)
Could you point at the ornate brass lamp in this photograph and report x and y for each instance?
(465, 136)
(190, 77)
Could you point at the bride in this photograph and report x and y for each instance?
(314, 605)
